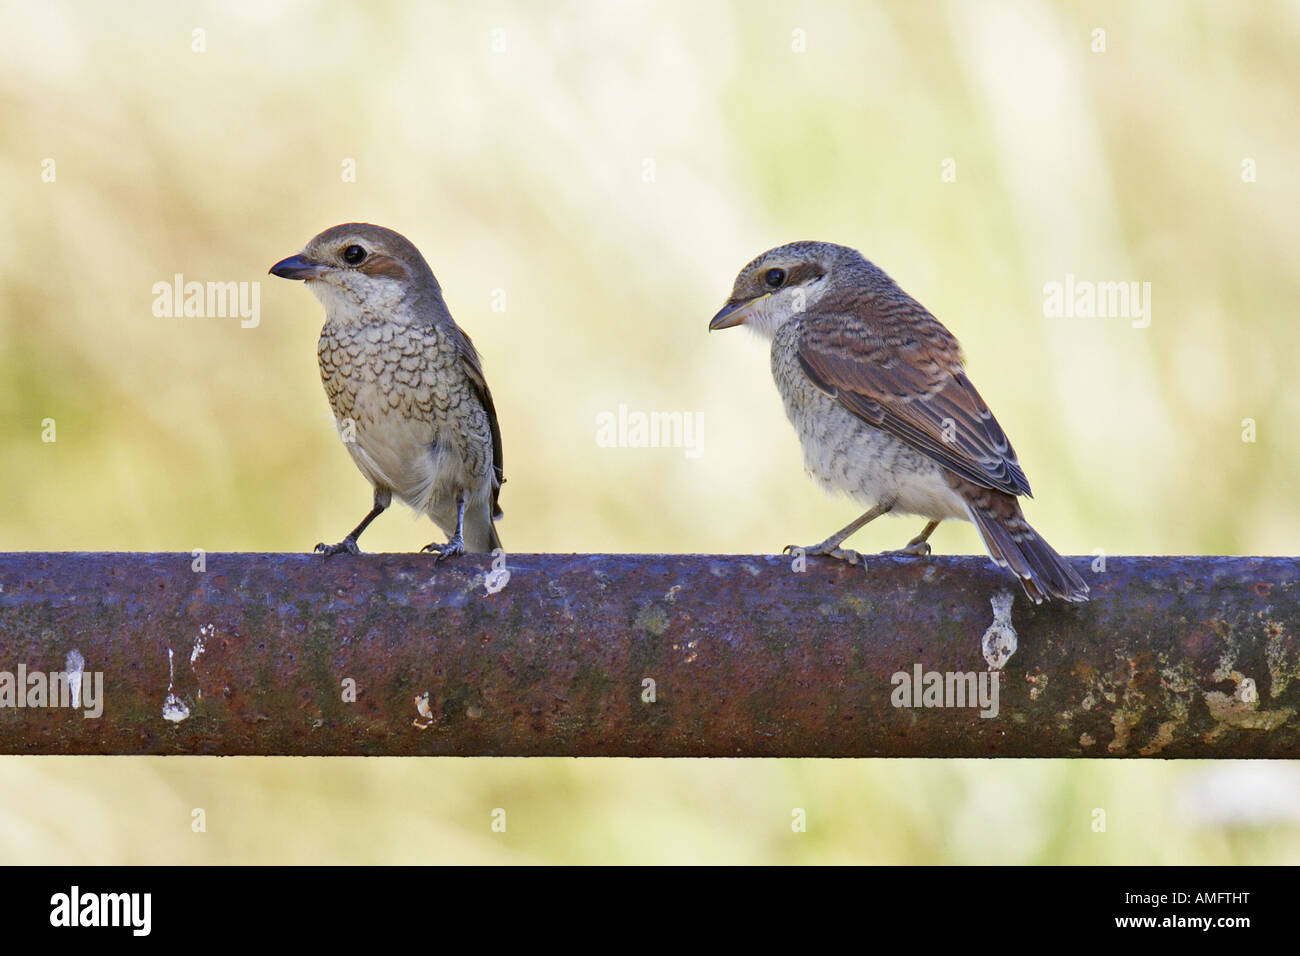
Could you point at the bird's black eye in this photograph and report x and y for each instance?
(353, 255)
(774, 278)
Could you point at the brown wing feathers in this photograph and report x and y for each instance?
(911, 384)
(470, 360)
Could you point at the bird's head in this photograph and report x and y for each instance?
(358, 270)
(781, 283)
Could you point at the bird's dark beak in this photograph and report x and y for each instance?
(734, 313)
(298, 267)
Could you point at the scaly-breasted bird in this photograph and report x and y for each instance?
(875, 388)
(405, 384)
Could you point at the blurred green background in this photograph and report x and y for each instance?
(610, 167)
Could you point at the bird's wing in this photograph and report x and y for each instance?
(469, 361)
(903, 374)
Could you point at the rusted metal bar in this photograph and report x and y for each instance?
(647, 655)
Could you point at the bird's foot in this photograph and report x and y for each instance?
(449, 550)
(847, 555)
(915, 549)
(347, 546)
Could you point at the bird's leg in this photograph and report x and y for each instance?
(457, 543)
(918, 547)
(349, 544)
(831, 546)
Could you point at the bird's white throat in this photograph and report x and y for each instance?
(361, 299)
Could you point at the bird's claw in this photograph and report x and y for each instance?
(920, 549)
(847, 555)
(346, 546)
(449, 550)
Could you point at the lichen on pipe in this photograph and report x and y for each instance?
(643, 655)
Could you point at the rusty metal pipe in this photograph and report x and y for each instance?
(1173, 657)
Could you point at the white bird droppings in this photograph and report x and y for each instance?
(174, 708)
(425, 719)
(999, 641)
(495, 580)
(200, 645)
(206, 631)
(73, 665)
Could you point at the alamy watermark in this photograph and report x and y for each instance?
(634, 429)
(1083, 299)
(922, 688)
(208, 300)
(75, 908)
(69, 688)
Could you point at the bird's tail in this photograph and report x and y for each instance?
(480, 530)
(1014, 545)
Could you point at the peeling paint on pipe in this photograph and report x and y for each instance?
(645, 655)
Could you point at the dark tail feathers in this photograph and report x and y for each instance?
(1014, 545)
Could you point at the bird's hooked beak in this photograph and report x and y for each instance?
(736, 313)
(298, 267)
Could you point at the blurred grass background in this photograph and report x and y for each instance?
(611, 166)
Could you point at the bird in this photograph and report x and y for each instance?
(877, 391)
(405, 384)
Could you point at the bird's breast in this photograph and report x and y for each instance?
(405, 409)
(378, 371)
(843, 453)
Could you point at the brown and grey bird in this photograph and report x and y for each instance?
(875, 388)
(405, 384)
